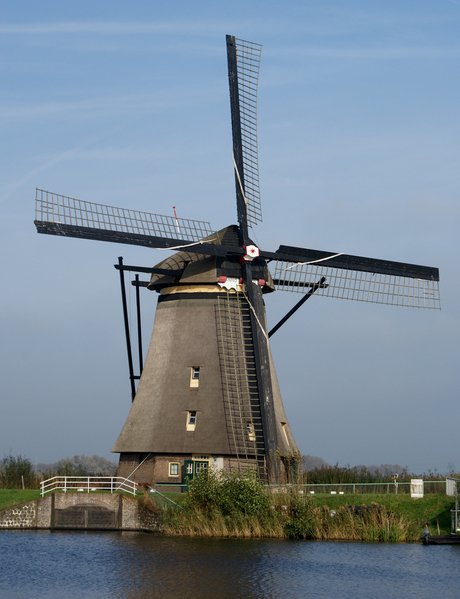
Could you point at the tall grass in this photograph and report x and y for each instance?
(374, 525)
(194, 522)
(370, 524)
(209, 511)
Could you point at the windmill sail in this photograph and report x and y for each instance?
(358, 278)
(56, 214)
(243, 69)
(243, 74)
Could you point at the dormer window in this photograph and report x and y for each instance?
(251, 431)
(191, 421)
(283, 427)
(195, 376)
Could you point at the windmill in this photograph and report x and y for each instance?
(208, 392)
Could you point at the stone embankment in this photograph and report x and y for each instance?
(76, 511)
(22, 516)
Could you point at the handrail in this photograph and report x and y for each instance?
(389, 486)
(87, 483)
(152, 490)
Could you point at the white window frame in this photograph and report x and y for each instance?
(191, 415)
(170, 465)
(195, 376)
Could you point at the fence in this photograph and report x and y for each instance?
(114, 484)
(360, 488)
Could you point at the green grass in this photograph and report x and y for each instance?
(12, 497)
(428, 509)
(399, 519)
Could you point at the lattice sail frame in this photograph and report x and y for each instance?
(248, 61)
(358, 285)
(55, 208)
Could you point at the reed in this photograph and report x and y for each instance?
(285, 515)
(194, 522)
(369, 524)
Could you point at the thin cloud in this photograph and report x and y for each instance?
(112, 28)
(110, 105)
(373, 53)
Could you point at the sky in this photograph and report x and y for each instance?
(126, 104)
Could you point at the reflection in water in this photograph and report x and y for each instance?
(135, 565)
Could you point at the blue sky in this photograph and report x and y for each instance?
(127, 105)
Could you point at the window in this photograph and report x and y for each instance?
(195, 376)
(189, 468)
(283, 426)
(251, 431)
(191, 421)
(201, 466)
(173, 468)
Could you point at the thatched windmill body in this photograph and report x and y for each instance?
(208, 393)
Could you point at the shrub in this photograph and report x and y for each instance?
(301, 518)
(240, 492)
(17, 470)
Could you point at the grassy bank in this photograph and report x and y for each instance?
(430, 509)
(12, 497)
(314, 519)
(238, 506)
(243, 509)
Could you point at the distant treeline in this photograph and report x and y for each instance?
(18, 472)
(327, 474)
(85, 465)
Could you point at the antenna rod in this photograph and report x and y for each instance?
(128, 339)
(297, 306)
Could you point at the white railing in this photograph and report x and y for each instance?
(114, 484)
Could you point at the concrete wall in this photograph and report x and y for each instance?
(89, 511)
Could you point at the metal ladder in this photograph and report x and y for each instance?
(239, 382)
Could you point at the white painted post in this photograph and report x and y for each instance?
(416, 488)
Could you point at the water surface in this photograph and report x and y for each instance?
(65, 564)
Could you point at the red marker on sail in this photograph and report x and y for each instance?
(177, 222)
